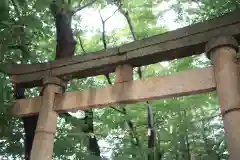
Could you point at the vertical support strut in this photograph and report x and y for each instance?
(42, 148)
(222, 52)
(124, 73)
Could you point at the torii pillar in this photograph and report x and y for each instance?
(222, 52)
(42, 148)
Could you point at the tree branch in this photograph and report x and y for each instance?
(130, 24)
(103, 31)
(81, 44)
(79, 8)
(16, 8)
(108, 79)
(118, 110)
(103, 27)
(112, 14)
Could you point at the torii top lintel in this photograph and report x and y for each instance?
(179, 43)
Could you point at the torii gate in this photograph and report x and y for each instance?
(219, 37)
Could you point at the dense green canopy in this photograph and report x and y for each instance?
(186, 128)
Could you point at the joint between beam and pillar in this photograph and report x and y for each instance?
(42, 147)
(54, 81)
(124, 73)
(220, 41)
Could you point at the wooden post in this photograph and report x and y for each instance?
(124, 73)
(222, 51)
(42, 148)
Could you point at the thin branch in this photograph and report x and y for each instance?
(79, 8)
(16, 8)
(15, 47)
(130, 24)
(109, 16)
(139, 70)
(108, 79)
(81, 44)
(112, 14)
(207, 118)
(118, 110)
(103, 27)
(103, 31)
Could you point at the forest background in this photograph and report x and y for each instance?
(185, 128)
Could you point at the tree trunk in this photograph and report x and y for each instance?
(93, 145)
(65, 40)
(66, 48)
(184, 142)
(29, 124)
(151, 136)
